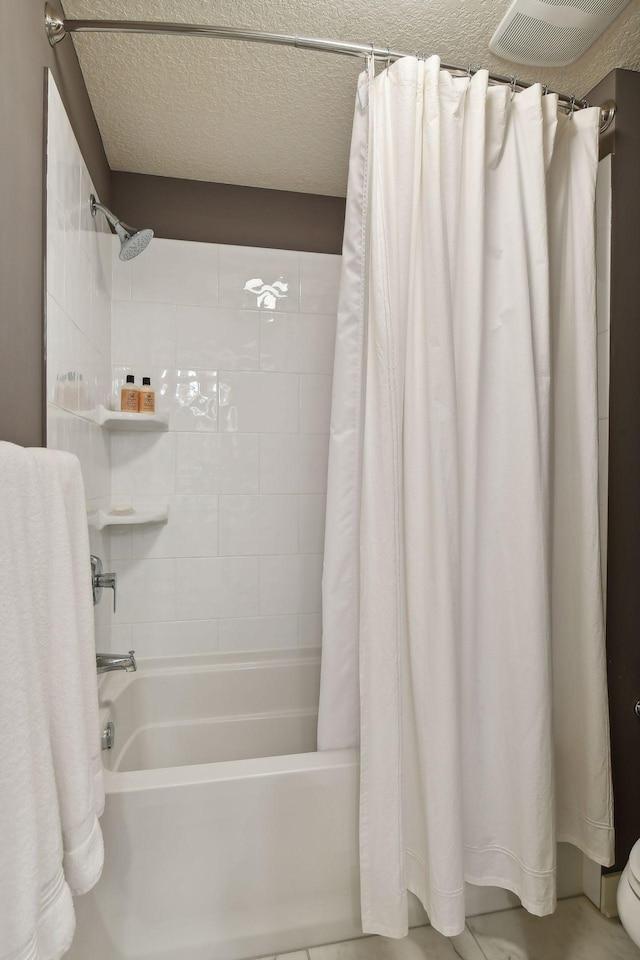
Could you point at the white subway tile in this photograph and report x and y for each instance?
(146, 590)
(293, 463)
(56, 427)
(55, 249)
(56, 120)
(79, 438)
(176, 271)
(100, 332)
(104, 639)
(191, 530)
(300, 343)
(215, 463)
(312, 519)
(121, 540)
(258, 402)
(217, 338)
(258, 525)
(178, 638)
(78, 282)
(70, 172)
(290, 584)
(259, 278)
(120, 640)
(143, 465)
(315, 402)
(258, 633)
(190, 398)
(319, 282)
(88, 226)
(143, 334)
(59, 339)
(120, 273)
(101, 459)
(310, 630)
(217, 587)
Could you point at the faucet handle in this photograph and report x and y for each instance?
(99, 580)
(110, 581)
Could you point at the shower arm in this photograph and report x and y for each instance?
(97, 207)
(57, 28)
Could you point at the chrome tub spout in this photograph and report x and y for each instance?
(105, 662)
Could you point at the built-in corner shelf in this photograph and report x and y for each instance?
(144, 513)
(119, 420)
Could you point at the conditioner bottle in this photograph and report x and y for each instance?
(146, 397)
(129, 396)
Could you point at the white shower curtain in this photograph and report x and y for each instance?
(463, 625)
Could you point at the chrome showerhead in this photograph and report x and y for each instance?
(132, 241)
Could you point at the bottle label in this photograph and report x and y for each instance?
(129, 400)
(147, 402)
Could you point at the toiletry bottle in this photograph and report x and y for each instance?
(146, 397)
(71, 391)
(59, 394)
(129, 396)
(82, 393)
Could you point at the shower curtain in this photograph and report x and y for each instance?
(463, 624)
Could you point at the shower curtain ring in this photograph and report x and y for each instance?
(572, 106)
(388, 56)
(545, 89)
(514, 83)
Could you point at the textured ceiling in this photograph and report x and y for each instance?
(277, 117)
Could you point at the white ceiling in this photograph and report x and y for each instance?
(268, 116)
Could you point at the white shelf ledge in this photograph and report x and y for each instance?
(120, 420)
(148, 513)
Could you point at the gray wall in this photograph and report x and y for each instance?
(178, 209)
(24, 55)
(225, 213)
(623, 540)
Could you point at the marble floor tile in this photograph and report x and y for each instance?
(423, 943)
(576, 931)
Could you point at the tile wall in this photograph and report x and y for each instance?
(239, 345)
(78, 325)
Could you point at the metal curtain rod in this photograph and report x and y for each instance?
(58, 27)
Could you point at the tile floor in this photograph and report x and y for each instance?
(576, 931)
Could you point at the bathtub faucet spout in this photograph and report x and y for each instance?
(105, 662)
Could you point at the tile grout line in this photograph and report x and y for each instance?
(475, 940)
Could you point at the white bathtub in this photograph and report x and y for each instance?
(227, 836)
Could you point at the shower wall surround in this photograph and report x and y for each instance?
(78, 325)
(239, 345)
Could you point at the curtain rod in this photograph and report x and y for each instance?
(57, 28)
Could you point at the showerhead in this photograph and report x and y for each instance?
(132, 241)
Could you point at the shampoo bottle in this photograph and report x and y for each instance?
(146, 397)
(129, 396)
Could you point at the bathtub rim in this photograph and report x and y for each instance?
(225, 770)
(112, 685)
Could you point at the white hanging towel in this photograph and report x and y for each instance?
(463, 481)
(51, 790)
